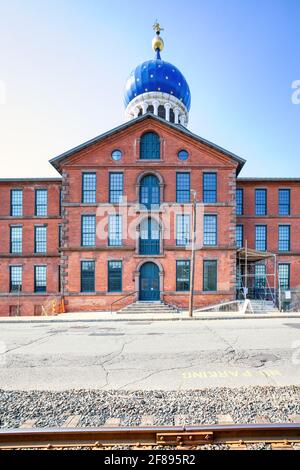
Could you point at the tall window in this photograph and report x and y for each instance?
(89, 188)
(150, 191)
(88, 230)
(150, 146)
(284, 275)
(209, 187)
(41, 202)
(115, 230)
(16, 202)
(60, 201)
(59, 236)
(87, 276)
(183, 232)
(284, 232)
(261, 202)
(239, 201)
(182, 275)
(209, 275)
(149, 243)
(116, 188)
(115, 276)
(15, 278)
(284, 201)
(210, 230)
(40, 239)
(16, 239)
(260, 276)
(261, 237)
(239, 236)
(40, 279)
(182, 187)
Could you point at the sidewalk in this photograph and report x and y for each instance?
(108, 316)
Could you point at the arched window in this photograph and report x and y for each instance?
(150, 191)
(162, 111)
(150, 146)
(149, 237)
(172, 115)
(150, 109)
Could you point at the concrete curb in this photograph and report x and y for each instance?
(132, 318)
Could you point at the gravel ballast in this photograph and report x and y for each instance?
(244, 405)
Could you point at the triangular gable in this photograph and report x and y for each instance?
(57, 161)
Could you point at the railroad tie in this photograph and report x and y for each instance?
(28, 424)
(72, 421)
(112, 422)
(147, 420)
(225, 419)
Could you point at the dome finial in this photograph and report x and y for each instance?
(157, 42)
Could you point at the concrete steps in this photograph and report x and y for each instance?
(260, 306)
(148, 307)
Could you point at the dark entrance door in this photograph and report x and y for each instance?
(149, 282)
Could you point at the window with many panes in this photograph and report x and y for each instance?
(284, 238)
(41, 202)
(261, 202)
(260, 276)
(239, 201)
(183, 232)
(209, 275)
(182, 187)
(182, 275)
(16, 239)
(261, 237)
(239, 236)
(284, 275)
(88, 230)
(15, 278)
(115, 276)
(209, 188)
(16, 202)
(115, 230)
(116, 188)
(87, 276)
(40, 278)
(89, 188)
(150, 146)
(40, 239)
(284, 201)
(210, 230)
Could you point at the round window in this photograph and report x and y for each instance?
(183, 155)
(116, 155)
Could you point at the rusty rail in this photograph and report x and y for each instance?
(279, 435)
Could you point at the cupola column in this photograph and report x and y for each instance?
(182, 120)
(167, 108)
(155, 105)
(136, 112)
(145, 106)
(176, 114)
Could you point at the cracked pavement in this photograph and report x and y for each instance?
(150, 355)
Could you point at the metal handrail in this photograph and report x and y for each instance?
(122, 298)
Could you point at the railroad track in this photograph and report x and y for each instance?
(233, 436)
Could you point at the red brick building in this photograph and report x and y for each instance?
(117, 224)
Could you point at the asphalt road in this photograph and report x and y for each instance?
(138, 355)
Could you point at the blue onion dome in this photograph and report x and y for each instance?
(157, 75)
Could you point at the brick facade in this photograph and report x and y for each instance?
(64, 263)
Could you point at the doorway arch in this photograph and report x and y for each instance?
(149, 289)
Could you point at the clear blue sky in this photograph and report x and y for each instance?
(63, 64)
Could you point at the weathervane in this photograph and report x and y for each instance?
(157, 28)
